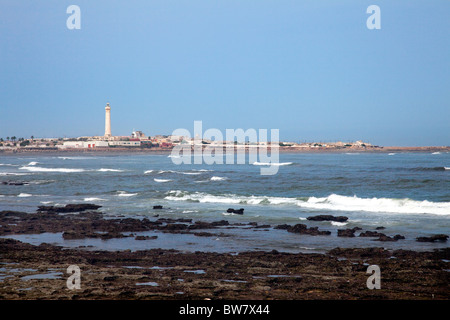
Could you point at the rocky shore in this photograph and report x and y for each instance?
(40, 272)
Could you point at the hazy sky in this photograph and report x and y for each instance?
(311, 69)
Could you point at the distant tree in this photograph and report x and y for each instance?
(32, 137)
(13, 138)
(7, 138)
(1, 139)
(24, 143)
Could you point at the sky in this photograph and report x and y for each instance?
(312, 69)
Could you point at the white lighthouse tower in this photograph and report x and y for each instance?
(107, 121)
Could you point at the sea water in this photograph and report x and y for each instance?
(407, 193)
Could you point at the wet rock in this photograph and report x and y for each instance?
(14, 183)
(69, 208)
(220, 223)
(436, 237)
(174, 226)
(282, 226)
(146, 237)
(236, 211)
(346, 233)
(203, 234)
(303, 229)
(380, 228)
(328, 218)
(157, 207)
(384, 237)
(371, 234)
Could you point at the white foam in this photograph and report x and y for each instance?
(12, 174)
(179, 172)
(162, 180)
(447, 168)
(33, 163)
(436, 153)
(109, 170)
(125, 194)
(24, 195)
(94, 199)
(9, 165)
(256, 163)
(46, 202)
(333, 202)
(148, 171)
(41, 169)
(218, 178)
(391, 154)
(339, 224)
(189, 211)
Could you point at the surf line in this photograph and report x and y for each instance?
(208, 147)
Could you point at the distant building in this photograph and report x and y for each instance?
(85, 144)
(107, 121)
(138, 135)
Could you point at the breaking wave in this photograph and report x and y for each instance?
(162, 180)
(430, 169)
(332, 202)
(256, 163)
(125, 194)
(94, 199)
(24, 195)
(41, 169)
(218, 178)
(109, 170)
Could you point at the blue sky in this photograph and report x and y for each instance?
(311, 69)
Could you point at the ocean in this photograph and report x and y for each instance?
(406, 193)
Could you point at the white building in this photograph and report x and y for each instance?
(84, 144)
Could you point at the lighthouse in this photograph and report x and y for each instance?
(107, 121)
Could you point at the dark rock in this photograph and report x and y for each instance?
(236, 211)
(346, 233)
(220, 223)
(203, 234)
(146, 237)
(380, 228)
(436, 237)
(14, 183)
(371, 234)
(69, 208)
(303, 229)
(175, 226)
(157, 207)
(328, 218)
(384, 237)
(399, 237)
(282, 226)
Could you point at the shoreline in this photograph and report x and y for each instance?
(30, 271)
(40, 272)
